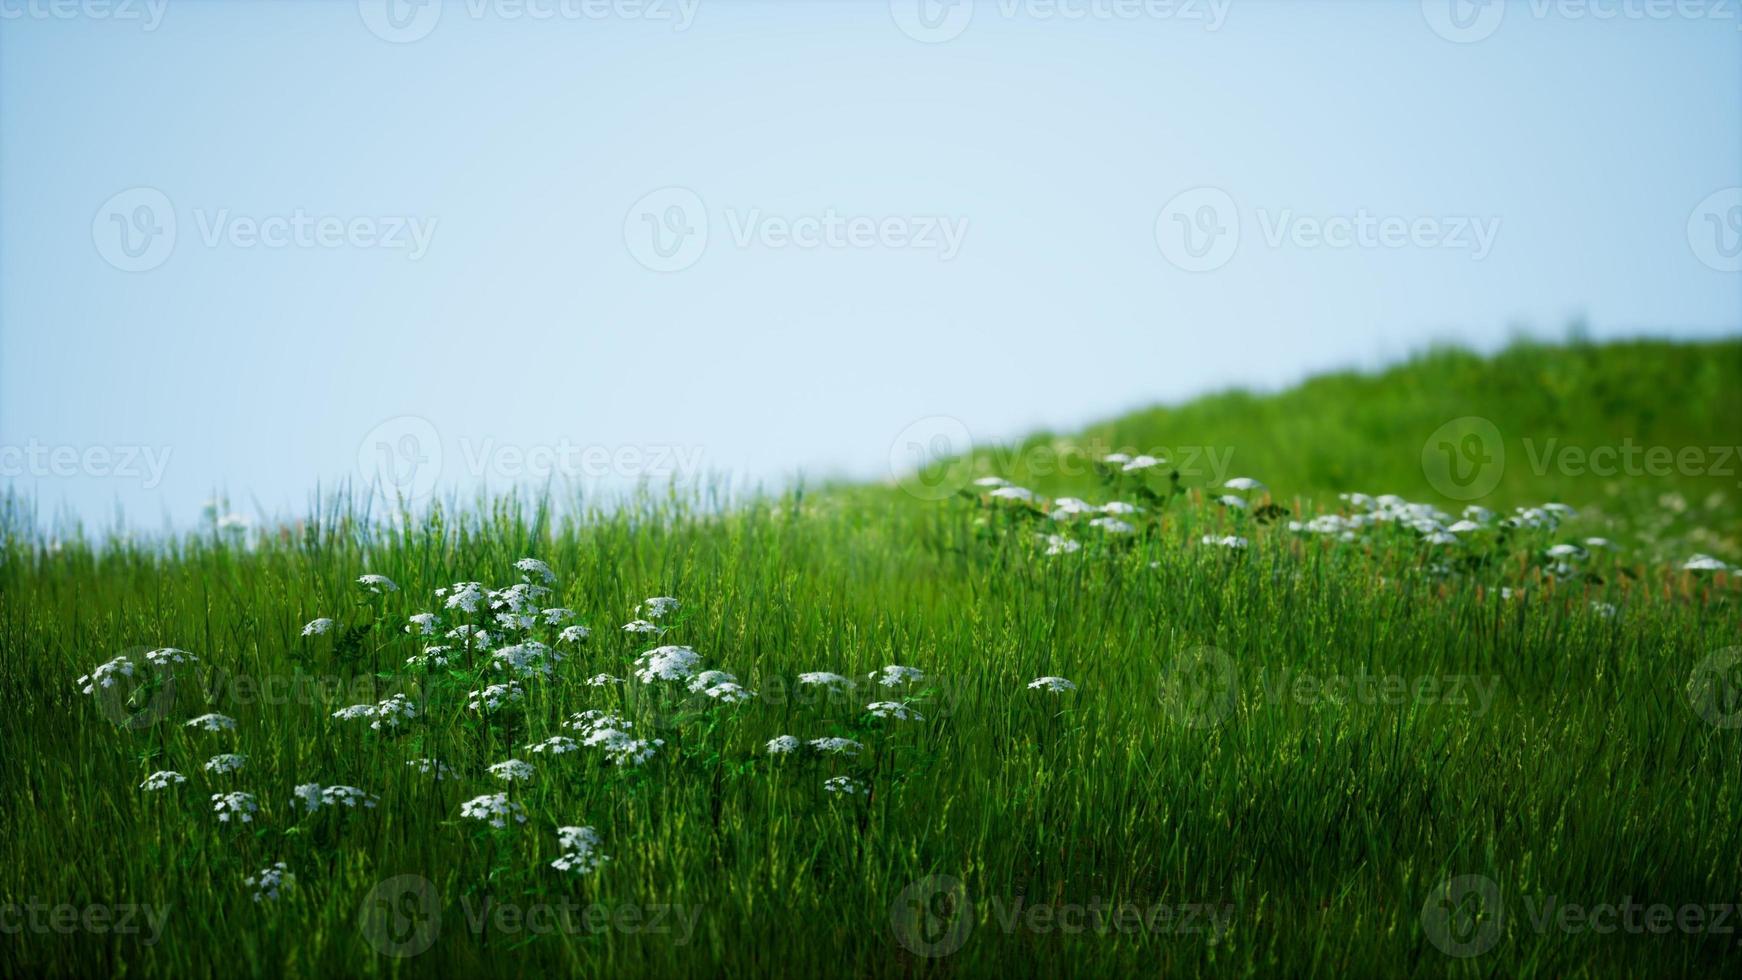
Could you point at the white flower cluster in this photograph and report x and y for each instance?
(581, 850)
(313, 796)
(511, 770)
(103, 675)
(212, 723)
(268, 881)
(494, 808)
(169, 655)
(228, 762)
(238, 805)
(493, 697)
(162, 779)
(668, 663)
(378, 584)
(1054, 685)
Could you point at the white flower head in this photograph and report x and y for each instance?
(1055, 685)
(464, 596)
(640, 626)
(212, 723)
(1058, 544)
(782, 745)
(1020, 494)
(162, 779)
(103, 675)
(835, 745)
(1112, 525)
(667, 663)
(893, 709)
(512, 770)
(845, 786)
(991, 482)
(377, 584)
(708, 678)
(823, 678)
(573, 634)
(657, 607)
(493, 697)
(1120, 508)
(268, 881)
(423, 624)
(896, 675)
(228, 762)
(169, 655)
(581, 850)
(494, 808)
(730, 692)
(315, 627)
(555, 745)
(393, 712)
(238, 805)
(533, 568)
(1142, 462)
(603, 680)
(1243, 484)
(556, 615)
(1704, 563)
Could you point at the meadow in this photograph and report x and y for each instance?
(1074, 706)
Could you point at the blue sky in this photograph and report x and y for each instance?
(612, 238)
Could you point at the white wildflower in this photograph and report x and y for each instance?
(169, 655)
(1112, 525)
(667, 663)
(511, 770)
(212, 723)
(228, 762)
(573, 634)
(1013, 493)
(657, 607)
(377, 583)
(316, 627)
(640, 626)
(1053, 685)
(1142, 462)
(427, 767)
(581, 853)
(496, 808)
(555, 745)
(423, 624)
(782, 744)
(895, 675)
(991, 482)
(893, 709)
(162, 779)
(823, 678)
(239, 805)
(532, 567)
(103, 675)
(267, 881)
(464, 596)
(845, 785)
(493, 697)
(602, 680)
(835, 745)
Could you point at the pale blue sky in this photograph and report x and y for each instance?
(1011, 271)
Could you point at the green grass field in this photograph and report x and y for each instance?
(1375, 743)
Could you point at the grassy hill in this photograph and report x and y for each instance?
(1291, 735)
(1663, 420)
